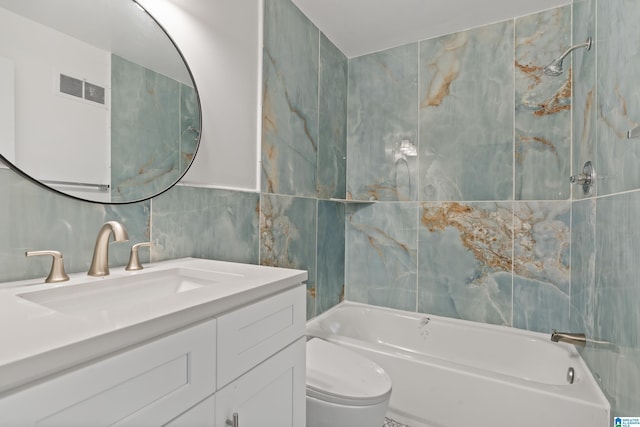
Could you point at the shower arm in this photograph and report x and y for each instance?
(586, 45)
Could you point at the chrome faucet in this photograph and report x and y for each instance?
(578, 340)
(100, 261)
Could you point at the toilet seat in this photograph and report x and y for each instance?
(338, 375)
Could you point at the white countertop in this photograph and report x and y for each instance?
(36, 341)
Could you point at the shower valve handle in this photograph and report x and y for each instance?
(586, 179)
(581, 179)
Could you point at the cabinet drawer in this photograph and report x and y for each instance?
(252, 334)
(146, 386)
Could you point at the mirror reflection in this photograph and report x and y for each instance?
(97, 102)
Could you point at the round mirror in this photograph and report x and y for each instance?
(96, 101)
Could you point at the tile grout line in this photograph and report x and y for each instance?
(417, 213)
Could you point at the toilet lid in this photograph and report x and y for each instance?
(339, 375)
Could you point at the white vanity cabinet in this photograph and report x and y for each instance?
(261, 363)
(249, 361)
(148, 385)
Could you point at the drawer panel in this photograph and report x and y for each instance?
(252, 334)
(145, 386)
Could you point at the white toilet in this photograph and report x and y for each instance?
(344, 389)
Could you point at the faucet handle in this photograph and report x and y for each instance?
(57, 273)
(134, 260)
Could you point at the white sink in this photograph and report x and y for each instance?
(125, 292)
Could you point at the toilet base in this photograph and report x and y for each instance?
(327, 414)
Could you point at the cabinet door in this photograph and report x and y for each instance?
(146, 386)
(270, 395)
(200, 415)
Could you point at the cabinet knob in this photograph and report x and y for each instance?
(234, 422)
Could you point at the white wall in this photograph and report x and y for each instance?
(221, 41)
(7, 110)
(56, 138)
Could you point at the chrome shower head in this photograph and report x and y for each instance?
(555, 68)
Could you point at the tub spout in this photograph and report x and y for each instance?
(579, 340)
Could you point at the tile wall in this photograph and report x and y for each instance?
(465, 147)
(154, 125)
(605, 279)
(303, 153)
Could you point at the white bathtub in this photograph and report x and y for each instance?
(456, 373)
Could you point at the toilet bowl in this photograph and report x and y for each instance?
(344, 389)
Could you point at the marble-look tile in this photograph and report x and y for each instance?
(145, 135)
(332, 143)
(584, 91)
(541, 269)
(583, 259)
(382, 134)
(617, 269)
(543, 107)
(205, 223)
(465, 260)
(330, 281)
(542, 242)
(618, 95)
(290, 101)
(466, 115)
(288, 237)
(617, 370)
(617, 295)
(381, 254)
(36, 219)
(190, 126)
(539, 306)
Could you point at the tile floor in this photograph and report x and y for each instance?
(391, 423)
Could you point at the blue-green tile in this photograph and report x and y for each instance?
(145, 131)
(618, 95)
(38, 219)
(332, 143)
(205, 223)
(190, 126)
(617, 294)
(382, 134)
(381, 254)
(583, 258)
(542, 242)
(539, 306)
(331, 255)
(466, 115)
(466, 260)
(288, 237)
(290, 101)
(543, 107)
(584, 91)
